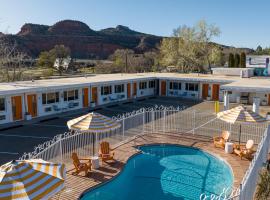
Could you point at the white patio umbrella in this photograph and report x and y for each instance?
(241, 115)
(31, 179)
(93, 123)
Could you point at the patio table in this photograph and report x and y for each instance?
(95, 162)
(228, 147)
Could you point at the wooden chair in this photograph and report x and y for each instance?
(105, 152)
(81, 166)
(244, 150)
(221, 140)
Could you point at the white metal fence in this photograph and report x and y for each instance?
(158, 120)
(250, 179)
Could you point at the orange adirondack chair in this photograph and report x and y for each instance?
(244, 150)
(81, 166)
(105, 152)
(221, 140)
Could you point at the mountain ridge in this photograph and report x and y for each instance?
(83, 41)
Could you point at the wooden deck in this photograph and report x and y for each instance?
(77, 184)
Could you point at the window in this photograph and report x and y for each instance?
(119, 88)
(143, 85)
(71, 95)
(44, 98)
(175, 86)
(48, 98)
(152, 84)
(192, 87)
(171, 85)
(2, 104)
(105, 90)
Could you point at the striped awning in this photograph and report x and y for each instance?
(240, 114)
(31, 179)
(93, 122)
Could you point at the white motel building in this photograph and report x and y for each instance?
(25, 100)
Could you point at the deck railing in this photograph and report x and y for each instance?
(161, 120)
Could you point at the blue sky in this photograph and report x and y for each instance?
(243, 23)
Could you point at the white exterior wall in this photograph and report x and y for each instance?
(113, 97)
(8, 109)
(147, 91)
(263, 98)
(62, 105)
(116, 97)
(183, 92)
(234, 96)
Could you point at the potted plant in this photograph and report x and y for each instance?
(28, 116)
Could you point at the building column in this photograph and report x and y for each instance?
(256, 105)
(226, 100)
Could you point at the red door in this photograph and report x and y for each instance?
(32, 104)
(134, 89)
(205, 91)
(94, 95)
(215, 92)
(163, 88)
(85, 97)
(128, 90)
(16, 102)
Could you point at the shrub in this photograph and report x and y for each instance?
(243, 60)
(263, 186)
(231, 60)
(236, 60)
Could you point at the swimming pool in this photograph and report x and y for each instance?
(166, 172)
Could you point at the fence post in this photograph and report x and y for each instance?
(143, 120)
(194, 122)
(240, 192)
(164, 120)
(153, 121)
(60, 146)
(123, 128)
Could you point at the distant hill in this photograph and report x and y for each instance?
(84, 42)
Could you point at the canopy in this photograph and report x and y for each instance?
(93, 122)
(240, 114)
(31, 179)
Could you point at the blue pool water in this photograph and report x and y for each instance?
(166, 172)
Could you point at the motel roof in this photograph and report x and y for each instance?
(230, 82)
(249, 85)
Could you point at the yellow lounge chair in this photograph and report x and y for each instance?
(105, 152)
(81, 166)
(244, 150)
(221, 140)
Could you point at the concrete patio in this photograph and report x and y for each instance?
(77, 184)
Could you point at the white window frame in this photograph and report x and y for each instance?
(56, 100)
(76, 97)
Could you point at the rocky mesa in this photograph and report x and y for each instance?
(81, 39)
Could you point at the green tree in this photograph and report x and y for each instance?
(190, 48)
(236, 60)
(60, 52)
(231, 60)
(47, 58)
(259, 49)
(243, 60)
